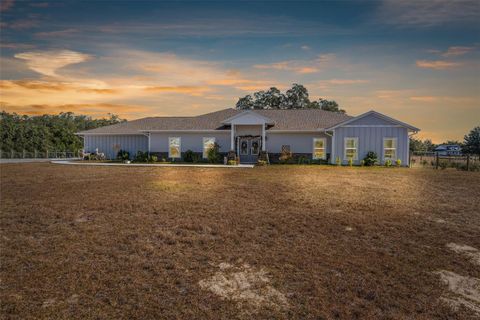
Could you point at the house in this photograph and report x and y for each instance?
(448, 150)
(311, 133)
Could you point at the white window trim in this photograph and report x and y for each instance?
(324, 148)
(396, 148)
(205, 152)
(345, 148)
(180, 147)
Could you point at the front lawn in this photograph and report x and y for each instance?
(274, 242)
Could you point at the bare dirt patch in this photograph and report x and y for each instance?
(464, 291)
(247, 286)
(472, 253)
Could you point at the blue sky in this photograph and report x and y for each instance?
(416, 61)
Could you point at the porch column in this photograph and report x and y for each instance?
(232, 137)
(263, 137)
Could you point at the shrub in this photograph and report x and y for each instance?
(213, 154)
(362, 163)
(338, 162)
(231, 155)
(388, 163)
(189, 156)
(95, 156)
(350, 162)
(370, 159)
(424, 162)
(141, 157)
(231, 162)
(398, 162)
(261, 162)
(123, 155)
(285, 157)
(153, 158)
(303, 160)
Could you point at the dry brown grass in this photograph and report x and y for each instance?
(110, 242)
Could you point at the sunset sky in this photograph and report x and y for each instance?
(415, 61)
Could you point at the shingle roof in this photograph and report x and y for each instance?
(307, 119)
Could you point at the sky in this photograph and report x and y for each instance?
(415, 61)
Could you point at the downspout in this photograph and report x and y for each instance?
(408, 145)
(148, 136)
(333, 145)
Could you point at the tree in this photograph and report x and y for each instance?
(329, 105)
(419, 146)
(472, 142)
(245, 103)
(47, 132)
(295, 98)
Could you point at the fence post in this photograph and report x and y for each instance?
(436, 160)
(468, 162)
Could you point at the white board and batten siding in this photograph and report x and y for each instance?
(370, 132)
(110, 144)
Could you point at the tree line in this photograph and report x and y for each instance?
(296, 97)
(47, 132)
(470, 144)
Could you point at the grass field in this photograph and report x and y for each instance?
(293, 242)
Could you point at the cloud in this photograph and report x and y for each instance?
(346, 81)
(21, 24)
(189, 90)
(437, 64)
(16, 45)
(305, 47)
(428, 13)
(5, 5)
(55, 34)
(457, 51)
(93, 109)
(48, 62)
(424, 98)
(40, 4)
(300, 66)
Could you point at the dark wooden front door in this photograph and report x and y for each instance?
(249, 148)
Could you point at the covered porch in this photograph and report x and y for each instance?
(247, 135)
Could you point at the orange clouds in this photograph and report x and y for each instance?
(93, 109)
(52, 86)
(189, 90)
(424, 98)
(437, 64)
(457, 51)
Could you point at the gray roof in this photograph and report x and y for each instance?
(307, 119)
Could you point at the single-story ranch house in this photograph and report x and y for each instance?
(312, 133)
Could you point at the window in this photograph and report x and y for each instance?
(174, 147)
(255, 148)
(351, 149)
(319, 151)
(389, 148)
(208, 143)
(243, 147)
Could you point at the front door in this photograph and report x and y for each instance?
(249, 148)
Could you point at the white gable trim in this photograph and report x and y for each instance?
(378, 114)
(249, 112)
